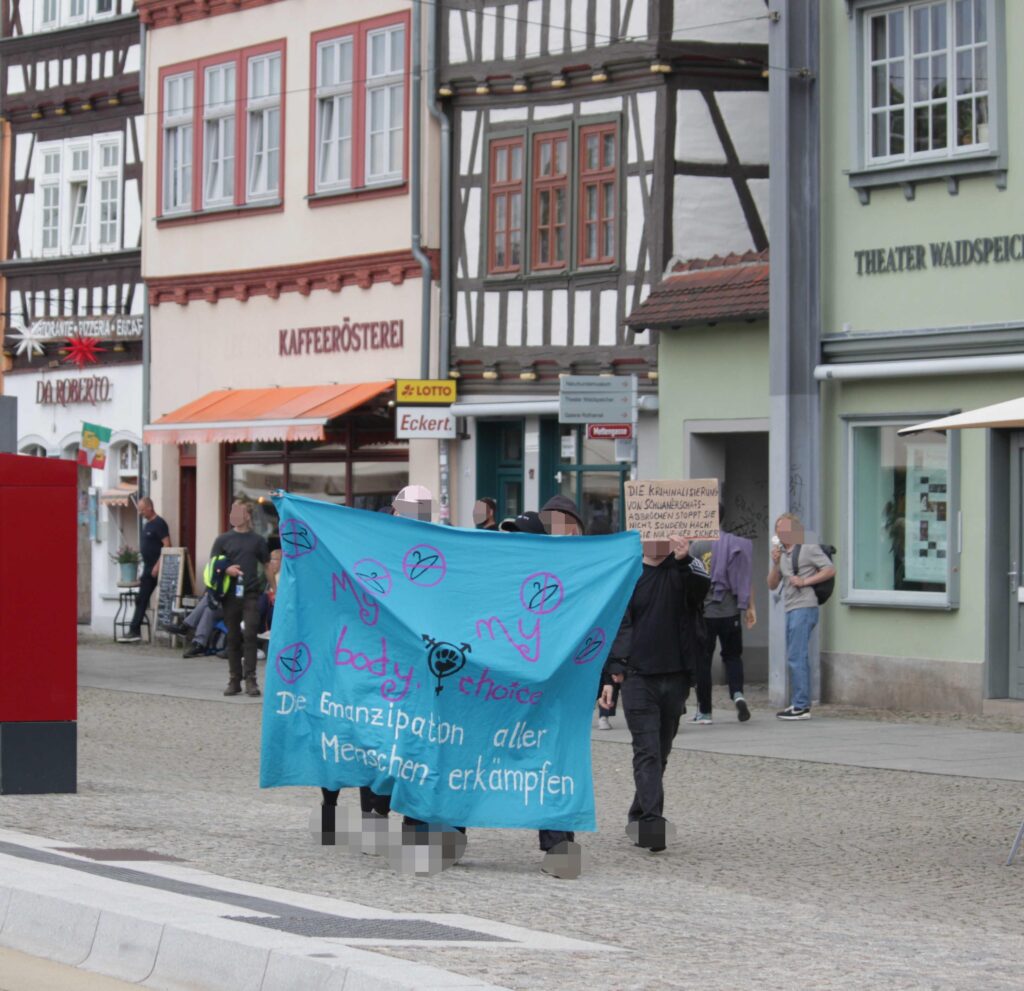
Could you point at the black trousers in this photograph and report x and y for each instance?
(727, 630)
(242, 641)
(146, 585)
(653, 705)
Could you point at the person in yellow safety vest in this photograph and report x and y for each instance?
(197, 628)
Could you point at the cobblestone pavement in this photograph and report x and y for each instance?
(785, 875)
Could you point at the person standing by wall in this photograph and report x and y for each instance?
(155, 536)
(801, 605)
(247, 553)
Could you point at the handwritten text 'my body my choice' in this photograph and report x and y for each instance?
(941, 254)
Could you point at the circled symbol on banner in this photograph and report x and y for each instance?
(297, 537)
(374, 576)
(293, 661)
(444, 659)
(424, 566)
(541, 593)
(591, 647)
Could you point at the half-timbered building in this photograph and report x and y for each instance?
(73, 298)
(593, 143)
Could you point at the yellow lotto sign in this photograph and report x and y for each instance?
(417, 392)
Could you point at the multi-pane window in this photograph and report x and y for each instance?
(506, 205)
(49, 13)
(78, 194)
(550, 199)
(50, 190)
(109, 182)
(219, 122)
(263, 114)
(385, 104)
(76, 10)
(598, 194)
(928, 80)
(562, 186)
(104, 7)
(334, 113)
(177, 143)
(54, 14)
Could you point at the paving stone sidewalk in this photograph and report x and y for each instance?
(786, 874)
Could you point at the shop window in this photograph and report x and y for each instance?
(253, 484)
(359, 113)
(376, 483)
(903, 517)
(929, 87)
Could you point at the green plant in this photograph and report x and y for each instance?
(126, 555)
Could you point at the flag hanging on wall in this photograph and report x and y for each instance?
(92, 452)
(455, 670)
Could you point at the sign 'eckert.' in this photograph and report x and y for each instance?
(429, 422)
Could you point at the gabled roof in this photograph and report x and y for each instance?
(707, 290)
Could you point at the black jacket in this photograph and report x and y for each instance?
(662, 631)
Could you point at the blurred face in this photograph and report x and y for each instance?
(416, 510)
(656, 548)
(560, 524)
(274, 565)
(789, 532)
(241, 516)
(482, 513)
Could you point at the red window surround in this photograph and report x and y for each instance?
(505, 214)
(358, 32)
(240, 59)
(598, 194)
(550, 200)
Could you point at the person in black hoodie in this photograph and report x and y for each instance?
(654, 657)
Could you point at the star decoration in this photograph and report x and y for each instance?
(83, 351)
(28, 342)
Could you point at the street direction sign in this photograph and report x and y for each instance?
(610, 431)
(597, 399)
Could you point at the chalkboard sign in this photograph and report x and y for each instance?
(175, 580)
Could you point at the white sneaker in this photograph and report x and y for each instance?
(603, 722)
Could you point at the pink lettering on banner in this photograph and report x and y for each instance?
(489, 690)
(369, 611)
(541, 593)
(424, 566)
(527, 654)
(381, 667)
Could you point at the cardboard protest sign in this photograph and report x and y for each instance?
(660, 509)
(455, 670)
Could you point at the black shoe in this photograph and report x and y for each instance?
(178, 629)
(742, 709)
(195, 649)
(251, 688)
(132, 636)
(791, 712)
(234, 688)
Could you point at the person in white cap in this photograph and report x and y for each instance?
(414, 502)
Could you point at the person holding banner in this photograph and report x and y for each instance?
(655, 655)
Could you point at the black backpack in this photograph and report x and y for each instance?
(823, 590)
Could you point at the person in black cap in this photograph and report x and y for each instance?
(562, 518)
(528, 522)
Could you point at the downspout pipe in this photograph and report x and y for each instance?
(436, 111)
(916, 368)
(416, 179)
(145, 475)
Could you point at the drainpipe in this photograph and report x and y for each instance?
(147, 350)
(444, 322)
(416, 181)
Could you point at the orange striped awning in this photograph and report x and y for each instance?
(239, 415)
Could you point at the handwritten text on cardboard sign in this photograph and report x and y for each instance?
(688, 508)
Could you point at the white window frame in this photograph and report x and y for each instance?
(222, 118)
(51, 7)
(177, 130)
(101, 14)
(50, 182)
(79, 214)
(106, 174)
(390, 81)
(258, 113)
(893, 598)
(952, 162)
(70, 17)
(333, 94)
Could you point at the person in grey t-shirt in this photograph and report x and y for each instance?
(801, 605)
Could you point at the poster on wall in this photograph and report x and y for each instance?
(927, 514)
